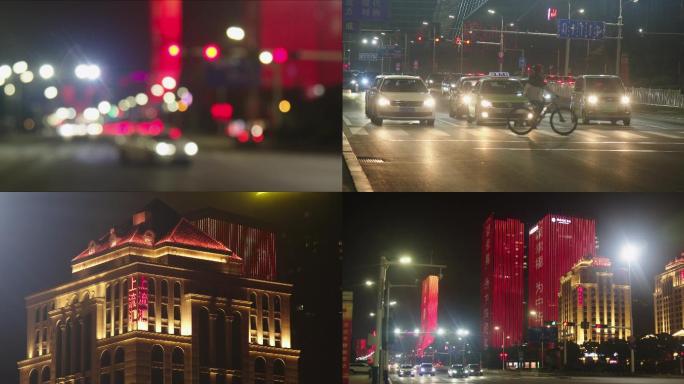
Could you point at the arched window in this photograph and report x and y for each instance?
(220, 338)
(177, 290)
(58, 349)
(264, 303)
(33, 377)
(278, 371)
(105, 359)
(203, 336)
(276, 304)
(67, 355)
(105, 363)
(119, 358)
(260, 371)
(164, 288)
(178, 367)
(157, 366)
(253, 299)
(236, 342)
(77, 346)
(37, 316)
(150, 286)
(45, 375)
(119, 355)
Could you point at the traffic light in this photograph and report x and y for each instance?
(211, 52)
(458, 40)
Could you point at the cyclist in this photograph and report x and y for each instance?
(534, 89)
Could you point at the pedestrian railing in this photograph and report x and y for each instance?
(645, 96)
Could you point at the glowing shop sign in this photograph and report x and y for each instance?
(137, 303)
(560, 220)
(580, 295)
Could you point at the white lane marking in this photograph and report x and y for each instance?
(545, 142)
(358, 131)
(663, 134)
(437, 132)
(578, 150)
(452, 123)
(589, 135)
(346, 120)
(544, 132)
(361, 182)
(629, 135)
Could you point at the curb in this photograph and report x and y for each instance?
(359, 177)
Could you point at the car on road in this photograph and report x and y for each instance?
(474, 370)
(463, 86)
(601, 97)
(434, 82)
(457, 370)
(406, 370)
(350, 80)
(365, 80)
(159, 149)
(400, 97)
(426, 369)
(359, 367)
(494, 99)
(449, 82)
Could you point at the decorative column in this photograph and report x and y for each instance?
(212, 341)
(81, 356)
(62, 330)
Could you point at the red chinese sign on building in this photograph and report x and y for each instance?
(428, 313)
(137, 302)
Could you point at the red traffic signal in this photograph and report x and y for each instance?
(280, 55)
(211, 52)
(458, 40)
(419, 38)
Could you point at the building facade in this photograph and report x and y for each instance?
(159, 301)
(595, 302)
(556, 244)
(668, 298)
(501, 286)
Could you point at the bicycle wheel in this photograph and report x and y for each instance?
(562, 121)
(521, 121)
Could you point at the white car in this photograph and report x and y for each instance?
(155, 149)
(399, 97)
(359, 367)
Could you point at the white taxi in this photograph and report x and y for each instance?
(400, 97)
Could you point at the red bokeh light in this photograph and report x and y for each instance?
(174, 50)
(243, 137)
(211, 52)
(221, 111)
(280, 55)
(258, 139)
(175, 133)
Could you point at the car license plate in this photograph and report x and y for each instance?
(406, 109)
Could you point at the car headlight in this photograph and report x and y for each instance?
(466, 99)
(547, 96)
(364, 81)
(433, 369)
(165, 149)
(624, 100)
(592, 99)
(190, 148)
(383, 102)
(430, 103)
(430, 81)
(485, 103)
(422, 369)
(453, 85)
(353, 81)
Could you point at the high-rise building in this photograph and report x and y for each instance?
(501, 287)
(159, 301)
(556, 244)
(595, 302)
(668, 298)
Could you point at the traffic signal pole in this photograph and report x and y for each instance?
(567, 48)
(619, 43)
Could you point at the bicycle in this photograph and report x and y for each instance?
(522, 120)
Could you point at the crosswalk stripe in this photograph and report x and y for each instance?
(358, 131)
(438, 132)
(589, 135)
(346, 120)
(663, 134)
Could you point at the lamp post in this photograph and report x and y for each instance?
(503, 346)
(629, 253)
(501, 44)
(463, 333)
(541, 340)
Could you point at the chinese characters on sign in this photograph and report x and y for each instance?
(580, 296)
(581, 29)
(137, 303)
(365, 10)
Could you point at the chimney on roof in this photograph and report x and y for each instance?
(141, 217)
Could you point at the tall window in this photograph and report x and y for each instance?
(278, 372)
(58, 349)
(33, 377)
(220, 338)
(203, 336)
(176, 319)
(165, 318)
(178, 360)
(177, 290)
(151, 302)
(67, 355)
(236, 342)
(253, 299)
(276, 304)
(44, 344)
(87, 329)
(77, 346)
(157, 366)
(119, 358)
(36, 343)
(105, 363)
(45, 318)
(260, 371)
(264, 303)
(125, 305)
(37, 320)
(264, 326)
(108, 305)
(117, 295)
(45, 375)
(164, 288)
(252, 328)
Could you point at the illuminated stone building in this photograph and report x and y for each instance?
(597, 298)
(159, 301)
(668, 298)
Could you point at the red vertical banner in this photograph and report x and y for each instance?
(166, 20)
(347, 306)
(428, 313)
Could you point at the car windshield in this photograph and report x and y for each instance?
(436, 78)
(426, 365)
(406, 366)
(610, 84)
(501, 87)
(475, 367)
(403, 85)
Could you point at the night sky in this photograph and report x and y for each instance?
(41, 232)
(446, 229)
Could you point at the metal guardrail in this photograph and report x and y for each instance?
(645, 96)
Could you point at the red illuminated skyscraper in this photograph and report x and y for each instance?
(556, 244)
(501, 287)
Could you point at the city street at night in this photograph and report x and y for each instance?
(29, 163)
(505, 378)
(455, 155)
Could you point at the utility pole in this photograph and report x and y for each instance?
(501, 46)
(461, 47)
(404, 66)
(377, 361)
(567, 46)
(434, 48)
(619, 43)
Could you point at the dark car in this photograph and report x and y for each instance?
(406, 370)
(365, 80)
(474, 370)
(449, 83)
(426, 369)
(160, 149)
(434, 82)
(457, 370)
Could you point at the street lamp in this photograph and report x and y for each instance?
(235, 33)
(405, 260)
(440, 331)
(46, 71)
(369, 283)
(630, 253)
(371, 314)
(581, 10)
(501, 46)
(397, 331)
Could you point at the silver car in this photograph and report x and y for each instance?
(155, 149)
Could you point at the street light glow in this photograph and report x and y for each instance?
(416, 331)
(266, 57)
(581, 10)
(392, 303)
(20, 67)
(46, 71)
(235, 33)
(533, 313)
(425, 23)
(496, 328)
(372, 314)
(369, 283)
(405, 260)
(87, 71)
(50, 92)
(397, 331)
(491, 11)
(629, 253)
(452, 17)
(440, 331)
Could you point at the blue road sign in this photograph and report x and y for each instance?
(365, 10)
(581, 29)
(521, 62)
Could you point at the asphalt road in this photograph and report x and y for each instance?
(457, 156)
(31, 164)
(514, 377)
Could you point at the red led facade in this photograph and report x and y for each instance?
(556, 244)
(428, 313)
(255, 246)
(166, 20)
(501, 285)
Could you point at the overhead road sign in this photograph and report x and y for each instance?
(581, 29)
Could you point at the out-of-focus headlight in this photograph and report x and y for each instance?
(592, 99)
(624, 100)
(383, 102)
(190, 148)
(353, 81)
(453, 85)
(466, 99)
(547, 96)
(433, 369)
(485, 103)
(364, 81)
(165, 149)
(422, 369)
(430, 103)
(430, 81)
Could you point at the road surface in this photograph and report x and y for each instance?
(516, 378)
(33, 164)
(457, 156)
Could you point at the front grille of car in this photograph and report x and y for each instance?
(402, 103)
(609, 99)
(507, 105)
